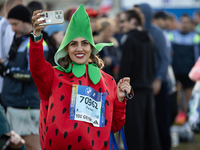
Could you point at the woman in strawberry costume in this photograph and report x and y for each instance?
(80, 103)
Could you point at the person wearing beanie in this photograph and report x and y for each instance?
(80, 103)
(19, 94)
(20, 12)
(20, 16)
(6, 33)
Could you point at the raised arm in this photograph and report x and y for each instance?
(41, 70)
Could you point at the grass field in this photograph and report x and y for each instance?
(193, 145)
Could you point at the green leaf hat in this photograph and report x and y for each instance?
(79, 26)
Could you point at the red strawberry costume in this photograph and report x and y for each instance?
(57, 130)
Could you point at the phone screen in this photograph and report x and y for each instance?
(4, 141)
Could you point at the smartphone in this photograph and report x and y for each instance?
(52, 17)
(4, 141)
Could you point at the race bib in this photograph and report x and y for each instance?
(87, 105)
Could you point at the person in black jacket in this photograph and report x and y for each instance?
(138, 62)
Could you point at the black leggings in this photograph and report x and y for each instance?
(140, 126)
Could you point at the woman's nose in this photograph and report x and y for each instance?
(79, 48)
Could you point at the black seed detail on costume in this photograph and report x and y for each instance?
(72, 76)
(105, 144)
(112, 78)
(46, 107)
(92, 143)
(69, 147)
(80, 82)
(79, 138)
(46, 128)
(103, 75)
(41, 125)
(56, 132)
(107, 102)
(100, 89)
(72, 81)
(62, 97)
(105, 83)
(84, 75)
(106, 122)
(75, 125)
(44, 121)
(60, 75)
(88, 129)
(98, 133)
(44, 133)
(42, 138)
(51, 106)
(65, 134)
(64, 110)
(53, 118)
(60, 84)
(50, 142)
(51, 93)
(107, 92)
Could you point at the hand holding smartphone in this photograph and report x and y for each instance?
(52, 17)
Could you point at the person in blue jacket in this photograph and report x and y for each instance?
(19, 93)
(185, 44)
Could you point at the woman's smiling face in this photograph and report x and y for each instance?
(79, 50)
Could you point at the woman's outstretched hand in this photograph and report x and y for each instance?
(122, 87)
(36, 27)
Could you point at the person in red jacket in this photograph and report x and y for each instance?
(80, 103)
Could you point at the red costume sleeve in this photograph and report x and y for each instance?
(118, 113)
(39, 67)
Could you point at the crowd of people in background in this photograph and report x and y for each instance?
(155, 49)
